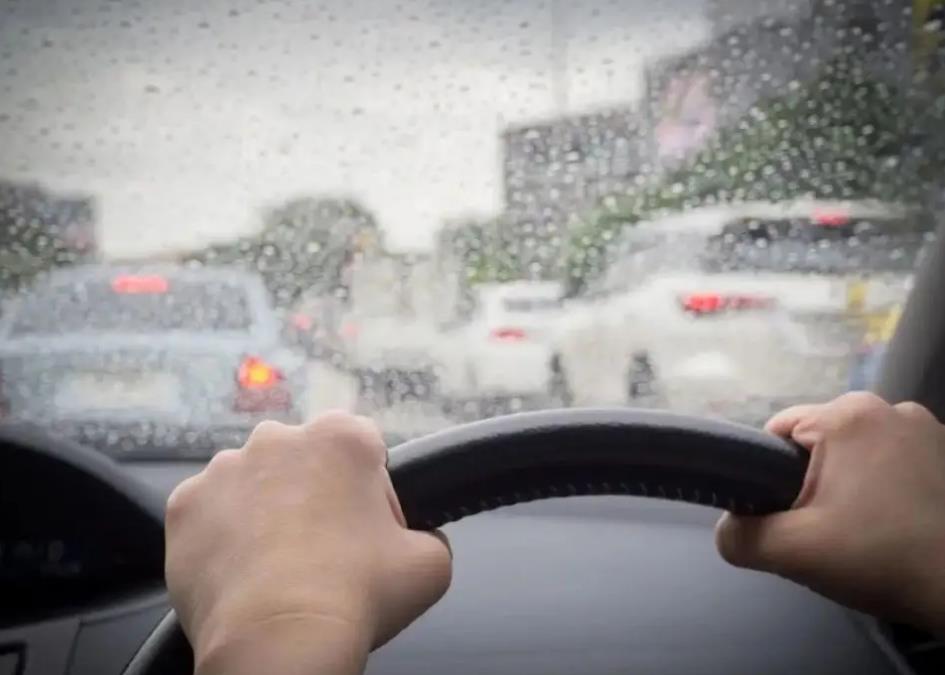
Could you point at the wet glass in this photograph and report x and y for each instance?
(441, 211)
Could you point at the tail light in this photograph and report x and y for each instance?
(261, 387)
(508, 335)
(254, 373)
(831, 218)
(131, 284)
(301, 321)
(349, 330)
(701, 304)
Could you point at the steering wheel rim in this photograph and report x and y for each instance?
(507, 460)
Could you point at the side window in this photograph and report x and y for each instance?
(825, 243)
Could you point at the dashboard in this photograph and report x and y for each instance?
(581, 585)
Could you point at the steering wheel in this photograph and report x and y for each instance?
(559, 453)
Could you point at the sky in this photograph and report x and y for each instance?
(185, 119)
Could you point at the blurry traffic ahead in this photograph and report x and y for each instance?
(435, 215)
(148, 361)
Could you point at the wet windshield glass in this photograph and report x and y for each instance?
(435, 212)
(130, 305)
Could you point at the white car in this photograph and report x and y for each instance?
(388, 340)
(503, 353)
(392, 357)
(757, 303)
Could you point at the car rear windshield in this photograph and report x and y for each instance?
(123, 305)
(531, 304)
(804, 245)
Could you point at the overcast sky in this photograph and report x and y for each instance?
(184, 118)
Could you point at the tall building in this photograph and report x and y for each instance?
(756, 50)
(759, 49)
(557, 169)
(41, 229)
(566, 162)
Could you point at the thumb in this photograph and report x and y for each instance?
(430, 567)
(421, 578)
(775, 543)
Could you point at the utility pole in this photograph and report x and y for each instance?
(559, 55)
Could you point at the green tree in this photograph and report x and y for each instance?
(840, 136)
(305, 244)
(476, 250)
(40, 230)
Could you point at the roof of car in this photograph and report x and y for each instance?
(709, 219)
(522, 289)
(96, 271)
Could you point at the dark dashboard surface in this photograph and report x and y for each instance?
(588, 585)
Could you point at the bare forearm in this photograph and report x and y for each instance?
(288, 648)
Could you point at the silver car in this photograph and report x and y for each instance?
(137, 361)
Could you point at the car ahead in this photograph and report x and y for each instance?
(312, 325)
(392, 358)
(501, 355)
(386, 339)
(712, 311)
(136, 360)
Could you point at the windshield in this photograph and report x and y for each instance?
(448, 211)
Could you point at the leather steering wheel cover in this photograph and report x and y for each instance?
(556, 453)
(166, 651)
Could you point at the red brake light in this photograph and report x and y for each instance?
(254, 373)
(508, 334)
(139, 284)
(831, 218)
(301, 321)
(700, 304)
(261, 388)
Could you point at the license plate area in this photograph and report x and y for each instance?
(131, 390)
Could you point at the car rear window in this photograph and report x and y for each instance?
(531, 304)
(805, 245)
(133, 305)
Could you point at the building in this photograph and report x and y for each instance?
(565, 163)
(41, 229)
(756, 50)
(760, 49)
(555, 170)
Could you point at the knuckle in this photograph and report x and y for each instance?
(224, 460)
(855, 408)
(180, 500)
(863, 400)
(914, 411)
(336, 422)
(267, 433)
(729, 543)
(354, 435)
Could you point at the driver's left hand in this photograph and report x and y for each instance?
(290, 555)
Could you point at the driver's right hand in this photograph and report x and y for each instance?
(868, 528)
